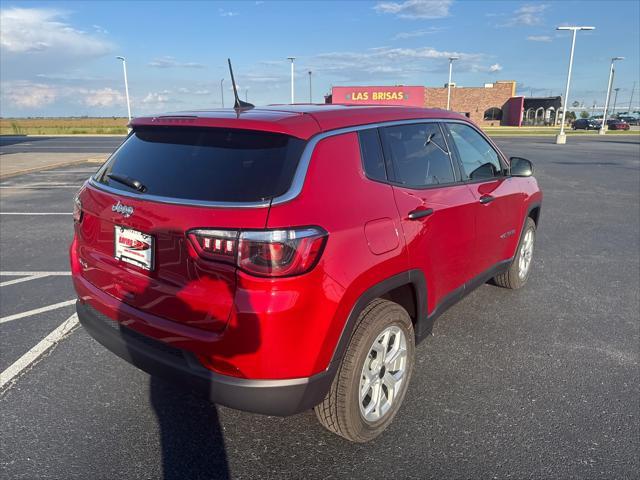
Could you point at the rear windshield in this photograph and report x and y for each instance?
(205, 164)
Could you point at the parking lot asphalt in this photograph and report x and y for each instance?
(59, 144)
(537, 383)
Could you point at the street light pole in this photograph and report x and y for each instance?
(631, 98)
(310, 91)
(126, 85)
(561, 139)
(293, 96)
(451, 60)
(603, 125)
(615, 101)
(222, 92)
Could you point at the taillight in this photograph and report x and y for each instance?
(77, 208)
(269, 253)
(219, 245)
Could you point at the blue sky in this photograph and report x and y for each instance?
(58, 58)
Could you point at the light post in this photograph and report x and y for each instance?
(293, 97)
(615, 101)
(222, 92)
(561, 139)
(451, 60)
(631, 97)
(246, 94)
(310, 91)
(603, 126)
(126, 85)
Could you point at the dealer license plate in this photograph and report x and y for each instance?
(133, 247)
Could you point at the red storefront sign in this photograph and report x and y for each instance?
(407, 96)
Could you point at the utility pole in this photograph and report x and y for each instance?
(310, 91)
(631, 97)
(222, 92)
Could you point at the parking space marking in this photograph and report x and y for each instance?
(35, 311)
(20, 280)
(36, 352)
(27, 274)
(37, 187)
(35, 213)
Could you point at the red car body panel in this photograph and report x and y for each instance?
(263, 328)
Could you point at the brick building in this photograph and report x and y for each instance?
(492, 104)
(488, 105)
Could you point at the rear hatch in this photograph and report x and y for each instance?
(163, 182)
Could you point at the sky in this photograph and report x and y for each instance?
(59, 58)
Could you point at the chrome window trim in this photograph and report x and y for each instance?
(298, 178)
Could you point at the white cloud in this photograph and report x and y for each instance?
(417, 33)
(171, 62)
(227, 13)
(496, 67)
(528, 15)
(103, 97)
(539, 38)
(155, 98)
(28, 95)
(34, 30)
(415, 9)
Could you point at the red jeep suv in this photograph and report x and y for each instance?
(284, 258)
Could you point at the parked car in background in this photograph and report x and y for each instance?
(585, 124)
(613, 124)
(283, 258)
(629, 120)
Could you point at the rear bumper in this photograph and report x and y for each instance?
(270, 397)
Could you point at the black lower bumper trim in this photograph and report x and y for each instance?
(269, 397)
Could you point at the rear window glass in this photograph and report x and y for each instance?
(372, 157)
(205, 164)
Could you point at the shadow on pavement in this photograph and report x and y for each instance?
(190, 434)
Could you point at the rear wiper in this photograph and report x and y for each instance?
(128, 181)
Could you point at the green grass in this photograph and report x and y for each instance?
(548, 131)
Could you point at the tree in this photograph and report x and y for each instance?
(571, 116)
(584, 114)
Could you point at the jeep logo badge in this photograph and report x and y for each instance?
(125, 210)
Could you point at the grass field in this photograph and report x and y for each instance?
(63, 126)
(118, 126)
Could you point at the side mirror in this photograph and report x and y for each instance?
(521, 167)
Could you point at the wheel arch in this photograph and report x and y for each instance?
(408, 289)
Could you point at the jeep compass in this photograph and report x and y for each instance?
(284, 258)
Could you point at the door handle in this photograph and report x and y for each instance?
(420, 213)
(486, 199)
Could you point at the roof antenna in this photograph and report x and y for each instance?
(239, 105)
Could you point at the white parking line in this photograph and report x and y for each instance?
(26, 274)
(35, 311)
(38, 187)
(20, 280)
(35, 213)
(36, 352)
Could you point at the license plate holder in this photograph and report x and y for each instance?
(134, 247)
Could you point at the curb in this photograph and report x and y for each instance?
(48, 167)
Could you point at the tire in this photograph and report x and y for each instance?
(341, 412)
(514, 277)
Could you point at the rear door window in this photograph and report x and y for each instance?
(419, 154)
(205, 164)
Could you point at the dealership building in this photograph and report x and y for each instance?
(492, 104)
